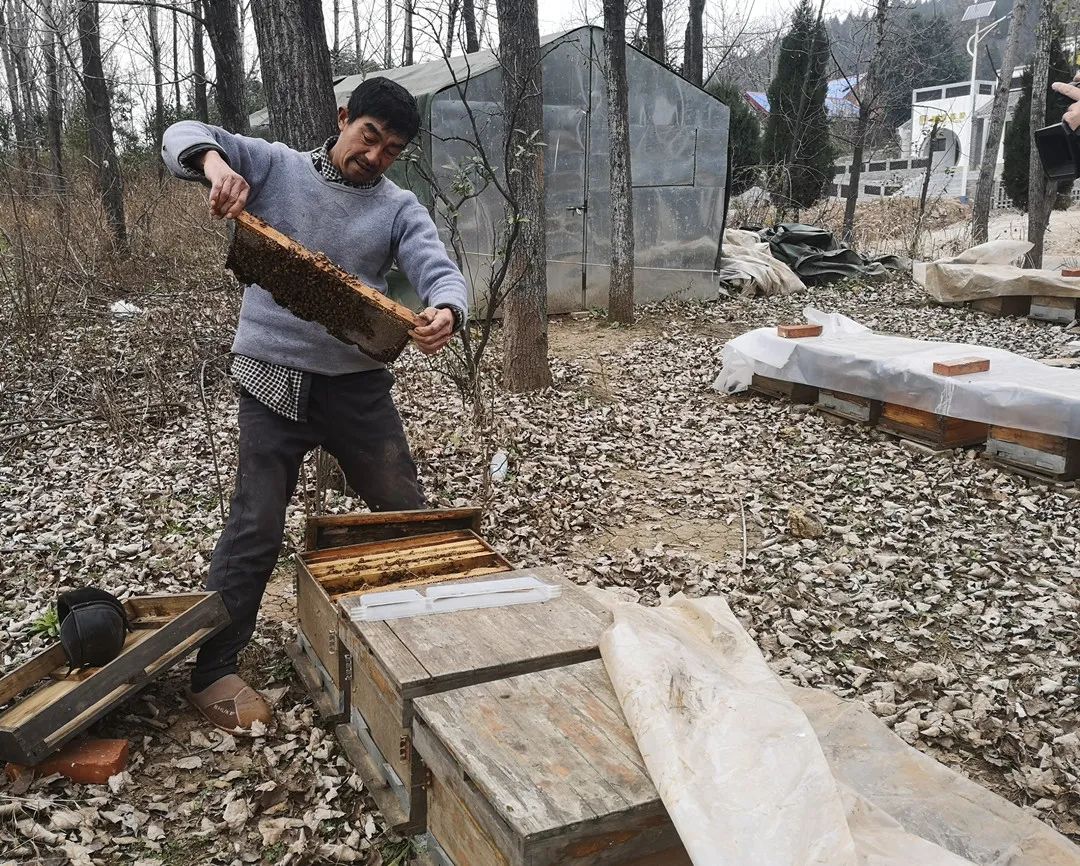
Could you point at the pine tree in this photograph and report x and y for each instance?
(796, 141)
(744, 132)
(1018, 135)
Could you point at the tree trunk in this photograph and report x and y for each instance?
(388, 49)
(525, 344)
(407, 51)
(54, 105)
(296, 71)
(356, 33)
(980, 217)
(99, 123)
(654, 29)
(1041, 190)
(694, 45)
(621, 287)
(451, 26)
(223, 28)
(867, 94)
(468, 13)
(198, 65)
(176, 63)
(18, 112)
(24, 65)
(337, 29)
(159, 86)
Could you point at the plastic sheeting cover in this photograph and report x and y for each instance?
(818, 257)
(747, 778)
(988, 271)
(1016, 392)
(748, 265)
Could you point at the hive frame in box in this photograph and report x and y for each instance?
(166, 629)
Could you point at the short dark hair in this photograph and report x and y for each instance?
(387, 101)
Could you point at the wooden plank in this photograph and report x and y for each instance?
(1029, 439)
(459, 834)
(315, 289)
(375, 782)
(472, 645)
(330, 573)
(335, 530)
(32, 672)
(796, 392)
(329, 711)
(500, 567)
(158, 608)
(317, 617)
(547, 768)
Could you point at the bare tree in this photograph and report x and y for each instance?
(296, 70)
(451, 25)
(54, 104)
(198, 65)
(1041, 190)
(99, 121)
(159, 86)
(980, 217)
(694, 46)
(336, 50)
(178, 99)
(525, 345)
(867, 93)
(407, 49)
(356, 29)
(19, 111)
(388, 48)
(654, 29)
(223, 28)
(468, 15)
(621, 287)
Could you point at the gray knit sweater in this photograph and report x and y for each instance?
(361, 230)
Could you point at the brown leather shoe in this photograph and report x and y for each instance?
(232, 705)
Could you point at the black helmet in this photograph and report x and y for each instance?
(93, 625)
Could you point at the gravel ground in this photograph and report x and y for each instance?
(939, 590)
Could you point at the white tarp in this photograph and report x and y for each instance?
(1016, 392)
(754, 773)
(989, 271)
(748, 265)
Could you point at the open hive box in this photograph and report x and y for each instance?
(312, 287)
(366, 675)
(58, 704)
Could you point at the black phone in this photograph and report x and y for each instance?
(1059, 151)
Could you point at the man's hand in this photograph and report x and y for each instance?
(228, 190)
(433, 336)
(1071, 90)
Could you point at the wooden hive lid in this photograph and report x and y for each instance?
(313, 288)
(425, 654)
(549, 751)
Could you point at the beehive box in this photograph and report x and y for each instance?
(796, 392)
(931, 429)
(355, 553)
(1055, 458)
(1047, 308)
(395, 662)
(1007, 305)
(56, 705)
(312, 287)
(850, 407)
(539, 769)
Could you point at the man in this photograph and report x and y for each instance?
(299, 386)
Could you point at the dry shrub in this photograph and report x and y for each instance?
(66, 355)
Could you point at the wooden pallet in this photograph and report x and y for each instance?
(540, 769)
(928, 428)
(1008, 305)
(850, 407)
(312, 287)
(1053, 458)
(1062, 311)
(796, 392)
(56, 706)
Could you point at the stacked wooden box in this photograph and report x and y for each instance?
(424, 704)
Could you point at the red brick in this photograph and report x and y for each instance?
(803, 330)
(1070, 272)
(961, 366)
(89, 762)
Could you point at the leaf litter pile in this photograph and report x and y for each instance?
(940, 590)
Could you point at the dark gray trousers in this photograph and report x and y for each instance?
(354, 418)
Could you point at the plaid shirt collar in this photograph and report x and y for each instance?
(320, 158)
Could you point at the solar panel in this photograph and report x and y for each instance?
(978, 10)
